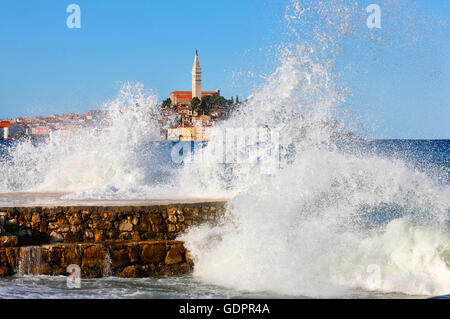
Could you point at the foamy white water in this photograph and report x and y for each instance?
(308, 229)
(102, 157)
(324, 223)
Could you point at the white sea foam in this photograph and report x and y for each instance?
(305, 232)
(324, 222)
(103, 156)
(327, 221)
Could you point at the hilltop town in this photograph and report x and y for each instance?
(185, 115)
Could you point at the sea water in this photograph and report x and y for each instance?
(424, 243)
(336, 216)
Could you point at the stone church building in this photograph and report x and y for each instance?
(185, 97)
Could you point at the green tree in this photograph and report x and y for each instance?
(206, 101)
(205, 104)
(210, 101)
(167, 103)
(195, 102)
(219, 101)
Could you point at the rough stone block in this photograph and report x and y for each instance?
(8, 241)
(153, 253)
(126, 226)
(173, 256)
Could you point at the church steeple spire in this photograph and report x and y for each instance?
(196, 78)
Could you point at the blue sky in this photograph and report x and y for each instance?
(402, 90)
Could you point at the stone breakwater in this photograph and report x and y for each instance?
(124, 241)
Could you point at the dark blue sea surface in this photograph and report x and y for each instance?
(432, 156)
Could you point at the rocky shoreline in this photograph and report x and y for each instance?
(123, 241)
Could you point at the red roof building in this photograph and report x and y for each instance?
(185, 97)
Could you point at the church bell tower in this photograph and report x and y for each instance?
(196, 78)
